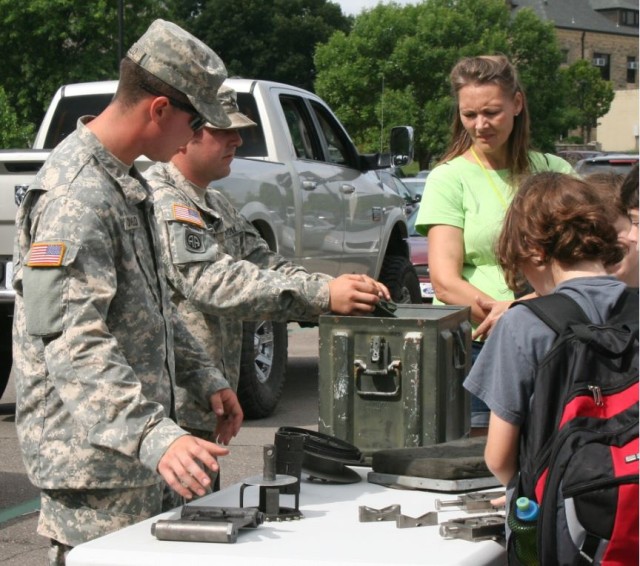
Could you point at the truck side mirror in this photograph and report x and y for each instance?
(401, 145)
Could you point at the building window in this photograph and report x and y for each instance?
(603, 62)
(632, 70)
(565, 56)
(629, 18)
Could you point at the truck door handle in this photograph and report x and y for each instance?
(309, 185)
(347, 189)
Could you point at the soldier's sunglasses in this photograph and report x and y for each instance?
(197, 121)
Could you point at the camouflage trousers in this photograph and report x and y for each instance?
(71, 517)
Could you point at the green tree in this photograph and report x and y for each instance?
(48, 43)
(535, 52)
(264, 40)
(591, 96)
(414, 48)
(12, 134)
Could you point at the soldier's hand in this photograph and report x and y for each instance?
(181, 465)
(355, 294)
(229, 415)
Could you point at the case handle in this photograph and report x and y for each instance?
(392, 370)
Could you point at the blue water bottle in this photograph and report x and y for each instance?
(524, 529)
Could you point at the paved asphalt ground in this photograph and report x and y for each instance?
(19, 543)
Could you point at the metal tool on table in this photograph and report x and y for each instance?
(473, 502)
(474, 529)
(392, 513)
(207, 524)
(371, 515)
(270, 485)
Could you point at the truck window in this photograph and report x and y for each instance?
(300, 126)
(253, 143)
(337, 143)
(68, 111)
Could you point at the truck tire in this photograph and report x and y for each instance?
(399, 275)
(263, 364)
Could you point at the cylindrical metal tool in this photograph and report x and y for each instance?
(289, 456)
(269, 463)
(195, 531)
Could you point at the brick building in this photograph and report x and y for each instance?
(604, 32)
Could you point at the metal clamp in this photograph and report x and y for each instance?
(392, 513)
(474, 529)
(427, 520)
(370, 515)
(207, 524)
(473, 502)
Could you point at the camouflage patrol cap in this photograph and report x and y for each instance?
(229, 100)
(185, 63)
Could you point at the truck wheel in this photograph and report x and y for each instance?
(262, 367)
(399, 275)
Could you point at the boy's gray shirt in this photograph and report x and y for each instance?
(503, 375)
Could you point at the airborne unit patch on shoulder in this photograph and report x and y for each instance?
(46, 254)
(184, 213)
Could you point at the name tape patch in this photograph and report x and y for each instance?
(187, 214)
(46, 254)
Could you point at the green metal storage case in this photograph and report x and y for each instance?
(395, 382)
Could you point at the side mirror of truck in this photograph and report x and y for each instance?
(401, 145)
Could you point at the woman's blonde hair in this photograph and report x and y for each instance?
(498, 70)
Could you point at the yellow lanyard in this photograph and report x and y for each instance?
(496, 190)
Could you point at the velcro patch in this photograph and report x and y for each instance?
(132, 222)
(184, 213)
(193, 240)
(46, 254)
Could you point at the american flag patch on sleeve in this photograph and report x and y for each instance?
(46, 254)
(184, 213)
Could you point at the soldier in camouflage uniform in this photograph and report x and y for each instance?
(98, 347)
(220, 269)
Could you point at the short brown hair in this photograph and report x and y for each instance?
(629, 189)
(608, 185)
(561, 217)
(136, 83)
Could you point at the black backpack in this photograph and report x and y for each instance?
(579, 448)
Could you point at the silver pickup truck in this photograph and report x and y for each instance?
(300, 181)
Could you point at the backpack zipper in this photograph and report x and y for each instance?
(597, 395)
(598, 484)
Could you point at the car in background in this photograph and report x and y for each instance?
(397, 186)
(423, 174)
(419, 255)
(415, 185)
(609, 162)
(575, 155)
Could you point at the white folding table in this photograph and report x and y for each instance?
(329, 533)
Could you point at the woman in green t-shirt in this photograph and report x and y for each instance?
(467, 194)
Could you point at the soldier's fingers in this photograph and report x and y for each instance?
(174, 482)
(189, 473)
(207, 453)
(360, 308)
